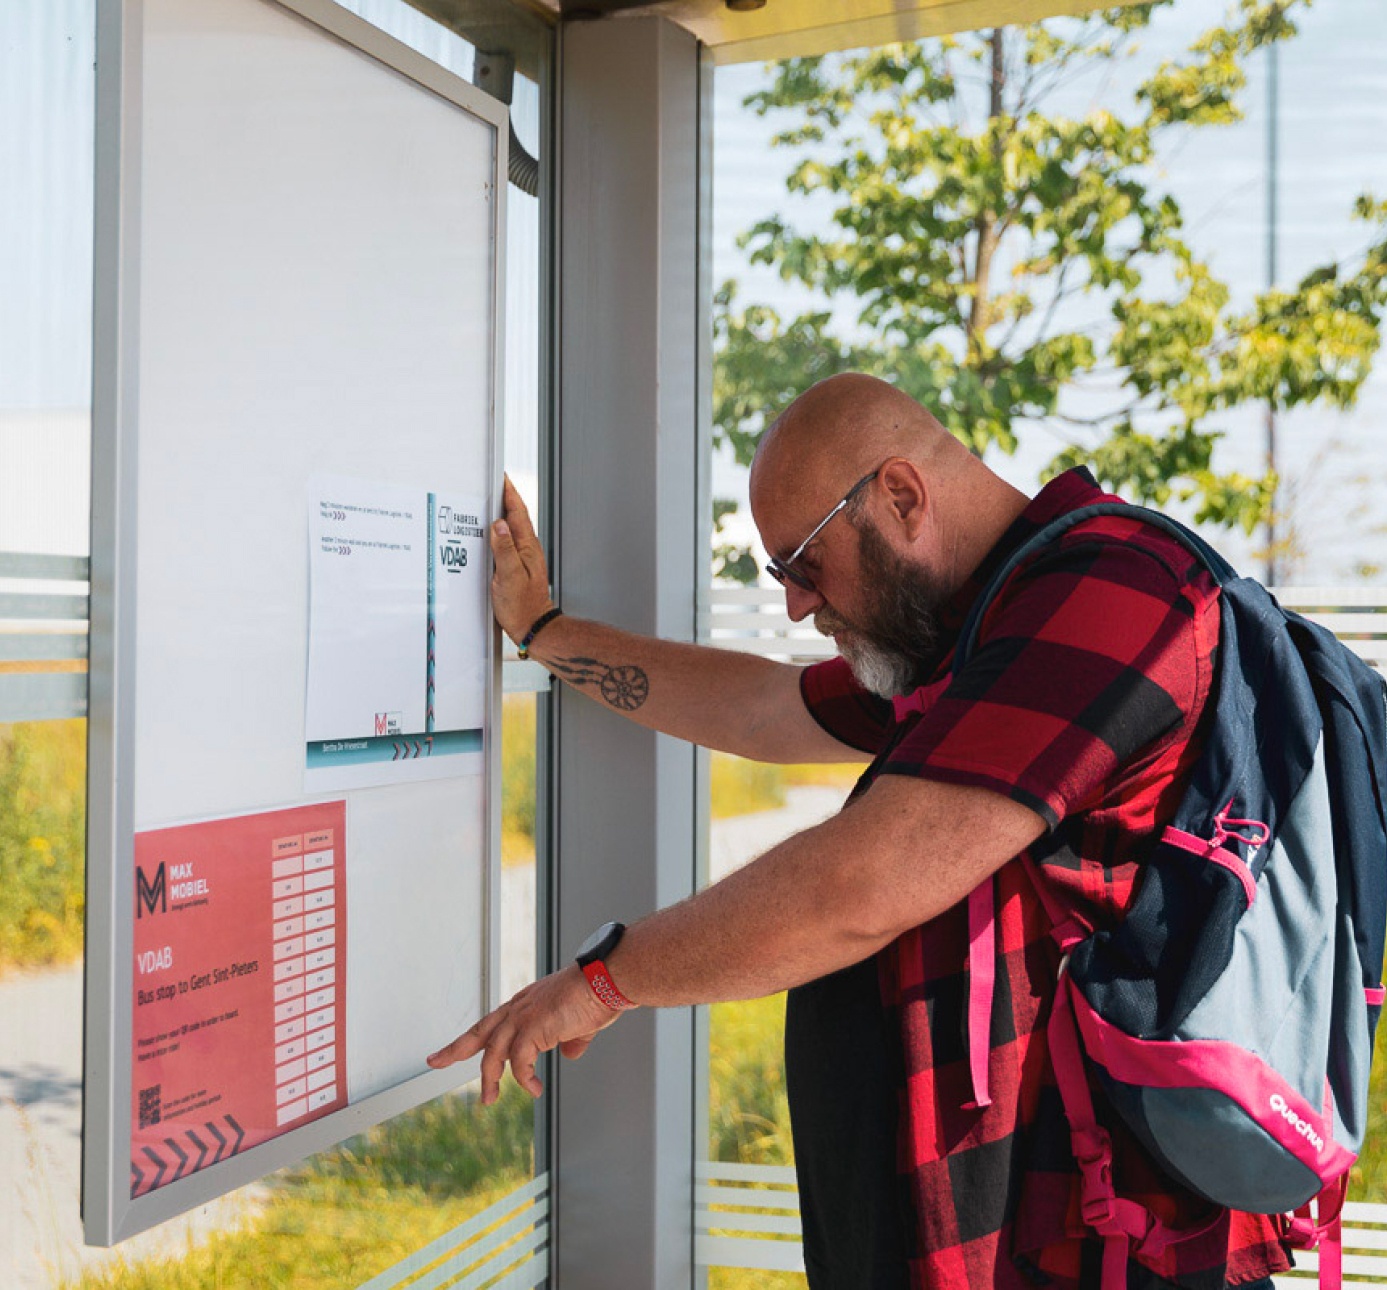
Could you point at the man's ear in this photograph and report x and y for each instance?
(907, 495)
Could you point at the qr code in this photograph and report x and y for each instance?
(151, 1105)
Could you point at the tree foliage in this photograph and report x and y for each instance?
(971, 223)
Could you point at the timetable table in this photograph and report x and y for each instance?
(305, 974)
(239, 1011)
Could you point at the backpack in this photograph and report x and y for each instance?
(1229, 1019)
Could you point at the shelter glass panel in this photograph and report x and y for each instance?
(444, 1185)
(846, 235)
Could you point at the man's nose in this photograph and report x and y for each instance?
(800, 604)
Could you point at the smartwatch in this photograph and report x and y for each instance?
(590, 958)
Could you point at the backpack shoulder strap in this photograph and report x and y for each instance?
(1221, 571)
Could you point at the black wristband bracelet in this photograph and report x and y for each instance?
(538, 626)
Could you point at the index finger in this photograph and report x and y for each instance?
(468, 1044)
(517, 515)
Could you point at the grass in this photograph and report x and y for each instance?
(518, 779)
(42, 842)
(1368, 1181)
(42, 821)
(748, 1114)
(350, 1213)
(739, 787)
(747, 1279)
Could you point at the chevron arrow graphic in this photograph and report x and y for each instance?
(221, 1141)
(136, 1178)
(159, 1164)
(182, 1155)
(201, 1149)
(240, 1133)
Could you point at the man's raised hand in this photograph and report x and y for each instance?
(520, 580)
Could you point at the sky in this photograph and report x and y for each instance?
(1333, 121)
(1333, 146)
(47, 105)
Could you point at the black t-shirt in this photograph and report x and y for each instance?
(842, 1063)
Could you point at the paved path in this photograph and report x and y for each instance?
(41, 1078)
(41, 1117)
(732, 842)
(41, 1145)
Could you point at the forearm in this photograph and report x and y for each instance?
(831, 896)
(733, 702)
(780, 921)
(737, 703)
(825, 898)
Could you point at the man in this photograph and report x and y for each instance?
(927, 1155)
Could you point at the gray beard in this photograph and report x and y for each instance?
(894, 647)
(883, 672)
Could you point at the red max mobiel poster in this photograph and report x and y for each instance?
(239, 1002)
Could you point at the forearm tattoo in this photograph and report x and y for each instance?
(624, 687)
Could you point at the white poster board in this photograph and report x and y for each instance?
(300, 240)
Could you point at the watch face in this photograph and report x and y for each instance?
(601, 943)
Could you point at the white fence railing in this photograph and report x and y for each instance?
(44, 606)
(747, 1216)
(1365, 1251)
(43, 637)
(505, 1247)
(753, 620)
(43, 631)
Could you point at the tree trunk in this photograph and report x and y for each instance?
(987, 230)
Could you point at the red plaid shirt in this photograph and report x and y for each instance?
(1081, 700)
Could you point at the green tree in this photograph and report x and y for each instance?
(969, 226)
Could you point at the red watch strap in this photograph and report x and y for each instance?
(604, 987)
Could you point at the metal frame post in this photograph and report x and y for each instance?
(625, 550)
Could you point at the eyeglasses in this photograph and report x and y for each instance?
(780, 569)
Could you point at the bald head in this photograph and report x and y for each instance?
(839, 430)
(934, 503)
(842, 428)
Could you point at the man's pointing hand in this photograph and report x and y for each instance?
(559, 1011)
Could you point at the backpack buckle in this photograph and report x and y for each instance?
(1096, 1211)
(1093, 1151)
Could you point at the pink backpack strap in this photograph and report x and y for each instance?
(1320, 1223)
(1123, 1224)
(1332, 1255)
(982, 968)
(982, 985)
(1066, 929)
